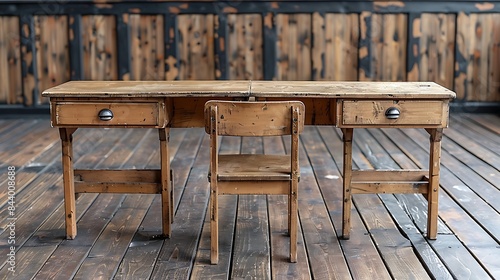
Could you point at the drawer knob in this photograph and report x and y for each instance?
(392, 113)
(105, 115)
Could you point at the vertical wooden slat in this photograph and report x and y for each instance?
(386, 58)
(245, 47)
(52, 52)
(99, 48)
(335, 47)
(10, 61)
(364, 63)
(477, 75)
(434, 54)
(28, 56)
(293, 46)
(342, 46)
(318, 54)
(196, 47)
(461, 56)
(483, 33)
(494, 62)
(146, 47)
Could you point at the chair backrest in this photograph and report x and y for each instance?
(252, 118)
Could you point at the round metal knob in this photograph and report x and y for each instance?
(392, 113)
(105, 115)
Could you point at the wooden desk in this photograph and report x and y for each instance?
(165, 104)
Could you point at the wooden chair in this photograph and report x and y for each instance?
(254, 174)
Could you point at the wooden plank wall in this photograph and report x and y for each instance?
(10, 62)
(454, 44)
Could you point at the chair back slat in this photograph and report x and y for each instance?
(271, 118)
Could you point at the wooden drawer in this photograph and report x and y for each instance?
(125, 114)
(372, 113)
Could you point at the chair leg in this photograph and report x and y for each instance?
(172, 184)
(214, 227)
(289, 213)
(294, 216)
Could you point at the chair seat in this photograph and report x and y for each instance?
(245, 167)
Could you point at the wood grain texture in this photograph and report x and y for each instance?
(477, 57)
(396, 250)
(400, 261)
(43, 202)
(177, 253)
(258, 89)
(361, 254)
(244, 173)
(326, 258)
(138, 261)
(407, 213)
(426, 113)
(293, 47)
(486, 122)
(10, 62)
(142, 114)
(245, 47)
(361, 90)
(99, 47)
(227, 217)
(52, 52)
(433, 50)
(335, 47)
(251, 255)
(102, 211)
(386, 51)
(147, 49)
(254, 118)
(468, 230)
(104, 258)
(343, 41)
(196, 47)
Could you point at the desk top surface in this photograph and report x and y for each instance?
(318, 89)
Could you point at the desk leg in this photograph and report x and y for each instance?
(347, 173)
(433, 192)
(166, 187)
(66, 135)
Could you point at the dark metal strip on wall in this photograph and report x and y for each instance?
(171, 54)
(213, 7)
(365, 61)
(270, 38)
(76, 47)
(413, 47)
(221, 33)
(123, 46)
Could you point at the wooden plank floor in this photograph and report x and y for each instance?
(118, 235)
